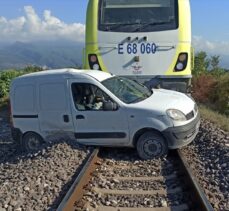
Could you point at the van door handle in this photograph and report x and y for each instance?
(80, 117)
(66, 118)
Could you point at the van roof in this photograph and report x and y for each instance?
(70, 72)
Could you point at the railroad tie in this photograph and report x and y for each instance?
(138, 192)
(181, 207)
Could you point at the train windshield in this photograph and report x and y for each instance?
(138, 16)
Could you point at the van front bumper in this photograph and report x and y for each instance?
(178, 137)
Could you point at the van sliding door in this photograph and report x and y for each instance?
(55, 114)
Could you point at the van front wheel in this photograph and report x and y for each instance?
(32, 142)
(151, 145)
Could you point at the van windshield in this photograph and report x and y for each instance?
(135, 15)
(127, 90)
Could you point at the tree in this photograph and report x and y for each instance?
(31, 69)
(216, 70)
(201, 63)
(214, 63)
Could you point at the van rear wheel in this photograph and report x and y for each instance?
(151, 145)
(32, 142)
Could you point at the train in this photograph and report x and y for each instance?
(148, 41)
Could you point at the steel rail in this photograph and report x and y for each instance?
(197, 190)
(75, 192)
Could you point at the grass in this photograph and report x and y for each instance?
(213, 116)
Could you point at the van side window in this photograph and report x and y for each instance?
(88, 97)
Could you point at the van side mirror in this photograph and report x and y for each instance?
(110, 106)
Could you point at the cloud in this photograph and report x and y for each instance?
(220, 48)
(31, 27)
(214, 48)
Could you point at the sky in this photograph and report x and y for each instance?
(29, 20)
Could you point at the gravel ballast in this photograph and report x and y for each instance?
(137, 185)
(39, 181)
(36, 181)
(208, 157)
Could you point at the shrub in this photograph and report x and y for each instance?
(7, 76)
(202, 87)
(32, 69)
(212, 91)
(220, 95)
(5, 80)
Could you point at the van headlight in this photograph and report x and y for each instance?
(176, 115)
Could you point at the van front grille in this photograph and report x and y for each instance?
(190, 115)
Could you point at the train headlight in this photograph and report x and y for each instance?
(182, 62)
(95, 67)
(183, 57)
(93, 58)
(180, 66)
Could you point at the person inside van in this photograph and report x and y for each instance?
(85, 98)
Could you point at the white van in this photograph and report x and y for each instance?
(97, 108)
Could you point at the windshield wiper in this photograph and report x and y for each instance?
(145, 96)
(151, 24)
(118, 25)
(150, 90)
(137, 100)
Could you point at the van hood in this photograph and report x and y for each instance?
(161, 100)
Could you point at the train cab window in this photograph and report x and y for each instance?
(135, 15)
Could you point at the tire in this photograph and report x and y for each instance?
(32, 142)
(151, 145)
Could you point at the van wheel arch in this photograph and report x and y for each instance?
(36, 141)
(142, 131)
(151, 145)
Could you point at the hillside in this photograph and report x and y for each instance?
(51, 54)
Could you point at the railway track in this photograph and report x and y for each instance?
(116, 180)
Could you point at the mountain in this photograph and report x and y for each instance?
(50, 54)
(55, 54)
(224, 61)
